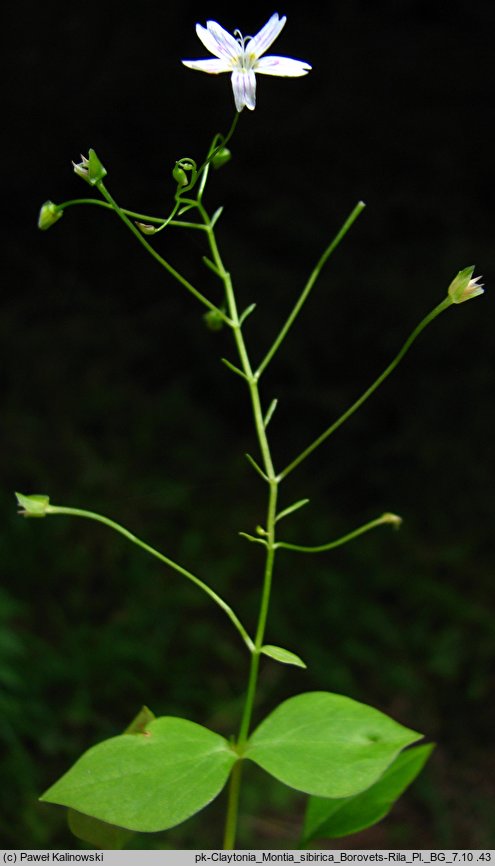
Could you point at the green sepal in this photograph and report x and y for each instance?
(334, 818)
(140, 721)
(34, 505)
(96, 170)
(147, 781)
(327, 745)
(285, 657)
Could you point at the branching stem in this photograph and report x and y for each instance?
(309, 285)
(391, 367)
(91, 515)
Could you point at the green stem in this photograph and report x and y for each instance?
(78, 512)
(273, 482)
(309, 285)
(380, 521)
(143, 217)
(232, 807)
(235, 786)
(262, 617)
(142, 240)
(391, 367)
(218, 143)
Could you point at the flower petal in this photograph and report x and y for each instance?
(244, 87)
(264, 38)
(218, 41)
(284, 66)
(213, 66)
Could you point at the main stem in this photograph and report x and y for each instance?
(273, 482)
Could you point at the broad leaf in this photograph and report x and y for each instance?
(149, 781)
(327, 745)
(279, 654)
(330, 819)
(97, 833)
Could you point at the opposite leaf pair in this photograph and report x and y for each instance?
(345, 754)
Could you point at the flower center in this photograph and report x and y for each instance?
(246, 59)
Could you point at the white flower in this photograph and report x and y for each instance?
(242, 57)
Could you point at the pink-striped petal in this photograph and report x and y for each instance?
(283, 66)
(218, 41)
(264, 38)
(208, 65)
(244, 87)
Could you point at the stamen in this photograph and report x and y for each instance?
(239, 38)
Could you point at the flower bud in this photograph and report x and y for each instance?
(393, 519)
(180, 176)
(34, 505)
(49, 214)
(222, 156)
(213, 320)
(463, 287)
(81, 168)
(90, 168)
(146, 228)
(185, 171)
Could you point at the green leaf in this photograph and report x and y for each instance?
(294, 507)
(216, 216)
(150, 781)
(282, 655)
(271, 409)
(184, 209)
(341, 817)
(233, 368)
(97, 833)
(100, 833)
(327, 745)
(255, 466)
(247, 312)
(211, 265)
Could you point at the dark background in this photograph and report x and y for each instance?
(114, 398)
